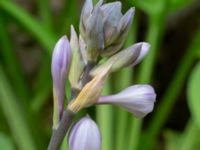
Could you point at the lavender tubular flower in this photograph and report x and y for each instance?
(125, 58)
(59, 69)
(85, 135)
(137, 99)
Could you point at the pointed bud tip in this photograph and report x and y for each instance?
(143, 52)
(82, 133)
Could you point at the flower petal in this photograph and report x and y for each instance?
(59, 68)
(85, 135)
(137, 99)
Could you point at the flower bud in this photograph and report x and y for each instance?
(90, 92)
(137, 99)
(59, 69)
(111, 16)
(128, 57)
(91, 29)
(83, 49)
(85, 135)
(77, 63)
(123, 26)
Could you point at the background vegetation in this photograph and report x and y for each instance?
(28, 32)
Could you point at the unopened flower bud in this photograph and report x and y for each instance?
(128, 57)
(77, 62)
(83, 49)
(123, 26)
(85, 135)
(59, 69)
(137, 99)
(90, 92)
(111, 16)
(91, 29)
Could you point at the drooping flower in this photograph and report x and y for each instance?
(137, 99)
(85, 135)
(59, 69)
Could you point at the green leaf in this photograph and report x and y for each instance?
(5, 142)
(194, 94)
(14, 115)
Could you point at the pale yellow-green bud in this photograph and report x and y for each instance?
(77, 62)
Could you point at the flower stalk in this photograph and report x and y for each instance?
(103, 30)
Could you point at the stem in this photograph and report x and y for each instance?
(86, 77)
(60, 132)
(127, 76)
(104, 115)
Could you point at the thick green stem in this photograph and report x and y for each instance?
(124, 78)
(104, 119)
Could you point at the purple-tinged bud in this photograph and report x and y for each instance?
(111, 16)
(59, 69)
(85, 135)
(123, 26)
(137, 99)
(125, 58)
(91, 29)
(143, 52)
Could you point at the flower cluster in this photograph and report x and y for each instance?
(103, 30)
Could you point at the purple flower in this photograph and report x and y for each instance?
(85, 135)
(137, 99)
(59, 69)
